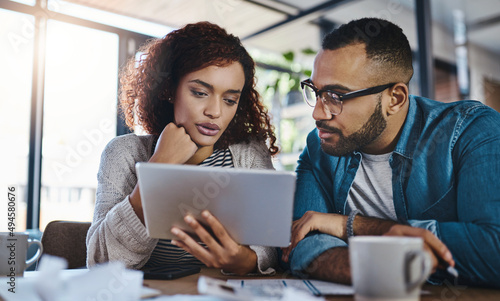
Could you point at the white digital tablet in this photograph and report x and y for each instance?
(255, 206)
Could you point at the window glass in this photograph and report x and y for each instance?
(16, 59)
(79, 118)
(462, 36)
(29, 2)
(108, 18)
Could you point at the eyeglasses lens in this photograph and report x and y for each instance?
(330, 100)
(309, 96)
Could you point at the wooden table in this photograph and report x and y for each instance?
(445, 292)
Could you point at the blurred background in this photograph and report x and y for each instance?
(59, 64)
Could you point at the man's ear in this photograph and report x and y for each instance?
(399, 97)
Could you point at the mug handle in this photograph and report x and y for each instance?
(424, 273)
(38, 253)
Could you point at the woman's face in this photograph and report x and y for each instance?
(206, 101)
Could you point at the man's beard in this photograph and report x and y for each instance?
(370, 131)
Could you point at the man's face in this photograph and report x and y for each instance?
(362, 120)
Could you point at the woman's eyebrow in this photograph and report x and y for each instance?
(233, 91)
(209, 86)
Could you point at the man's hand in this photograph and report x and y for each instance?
(221, 252)
(437, 249)
(174, 146)
(328, 223)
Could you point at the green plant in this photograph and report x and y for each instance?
(295, 77)
(288, 72)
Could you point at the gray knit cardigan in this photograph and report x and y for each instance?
(117, 233)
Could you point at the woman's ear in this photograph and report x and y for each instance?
(399, 97)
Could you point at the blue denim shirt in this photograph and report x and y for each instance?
(446, 178)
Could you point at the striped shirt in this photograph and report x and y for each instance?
(165, 253)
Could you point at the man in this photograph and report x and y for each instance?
(383, 162)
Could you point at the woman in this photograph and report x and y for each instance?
(193, 92)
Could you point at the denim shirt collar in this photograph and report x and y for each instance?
(412, 130)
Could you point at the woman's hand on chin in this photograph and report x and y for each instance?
(173, 146)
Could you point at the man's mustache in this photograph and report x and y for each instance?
(324, 127)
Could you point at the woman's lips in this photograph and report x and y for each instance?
(209, 129)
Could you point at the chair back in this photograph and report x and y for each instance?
(67, 239)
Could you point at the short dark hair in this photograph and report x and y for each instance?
(385, 43)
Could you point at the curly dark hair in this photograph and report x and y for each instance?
(146, 85)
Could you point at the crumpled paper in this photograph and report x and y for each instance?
(110, 281)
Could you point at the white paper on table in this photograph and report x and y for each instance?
(185, 298)
(258, 292)
(110, 281)
(313, 287)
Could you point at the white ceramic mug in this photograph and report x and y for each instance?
(13, 250)
(388, 268)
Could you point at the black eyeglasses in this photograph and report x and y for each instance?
(333, 100)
